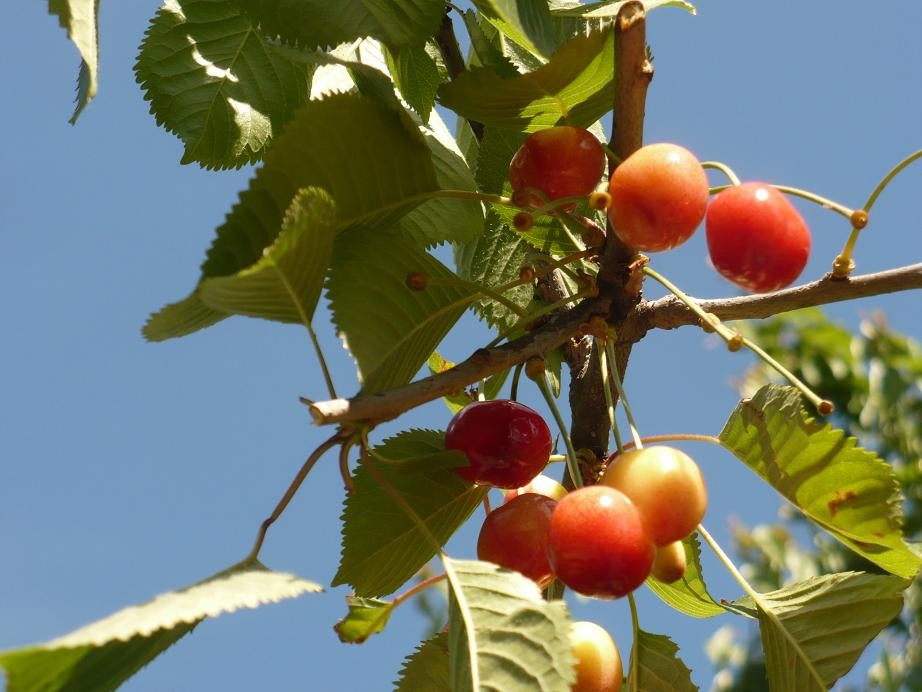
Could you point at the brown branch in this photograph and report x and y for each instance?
(454, 62)
(669, 312)
(664, 313)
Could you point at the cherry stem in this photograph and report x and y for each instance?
(616, 378)
(728, 563)
(609, 400)
(610, 153)
(572, 464)
(844, 264)
(290, 493)
(473, 196)
(485, 291)
(375, 472)
(804, 194)
(635, 629)
(556, 457)
(514, 387)
(327, 377)
(735, 341)
(723, 168)
(486, 504)
(680, 437)
(344, 466)
(560, 202)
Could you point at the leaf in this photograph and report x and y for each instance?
(215, 82)
(659, 669)
(426, 669)
(416, 75)
(320, 23)
(367, 616)
(486, 52)
(689, 594)
(846, 490)
(610, 8)
(495, 258)
(502, 634)
(454, 402)
(285, 284)
(104, 654)
(576, 87)
(390, 329)
(367, 157)
(80, 18)
(526, 23)
(815, 630)
(382, 547)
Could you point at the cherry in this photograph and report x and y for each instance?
(541, 484)
(506, 443)
(669, 563)
(597, 543)
(598, 661)
(756, 238)
(560, 162)
(666, 486)
(659, 195)
(514, 535)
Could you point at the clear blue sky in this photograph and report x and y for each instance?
(131, 468)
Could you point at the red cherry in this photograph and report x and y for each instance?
(560, 162)
(514, 536)
(597, 543)
(756, 237)
(659, 195)
(506, 443)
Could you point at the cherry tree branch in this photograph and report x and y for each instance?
(664, 313)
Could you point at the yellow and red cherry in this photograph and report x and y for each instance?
(598, 661)
(756, 238)
(598, 545)
(540, 484)
(659, 195)
(669, 563)
(665, 485)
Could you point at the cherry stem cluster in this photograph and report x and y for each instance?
(616, 379)
(735, 341)
(609, 400)
(543, 382)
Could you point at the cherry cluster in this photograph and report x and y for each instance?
(657, 198)
(600, 540)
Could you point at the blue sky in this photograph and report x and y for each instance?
(132, 468)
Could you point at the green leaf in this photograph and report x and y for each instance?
(367, 616)
(846, 490)
(495, 258)
(486, 51)
(658, 666)
(80, 18)
(369, 159)
(576, 87)
(454, 402)
(285, 284)
(610, 8)
(502, 634)
(416, 75)
(215, 82)
(527, 23)
(320, 23)
(426, 669)
(689, 594)
(382, 547)
(815, 630)
(102, 655)
(389, 329)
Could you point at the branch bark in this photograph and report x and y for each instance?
(664, 313)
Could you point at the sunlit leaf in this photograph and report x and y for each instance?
(574, 88)
(382, 547)
(659, 669)
(689, 594)
(102, 655)
(526, 23)
(80, 19)
(502, 634)
(846, 490)
(366, 616)
(426, 669)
